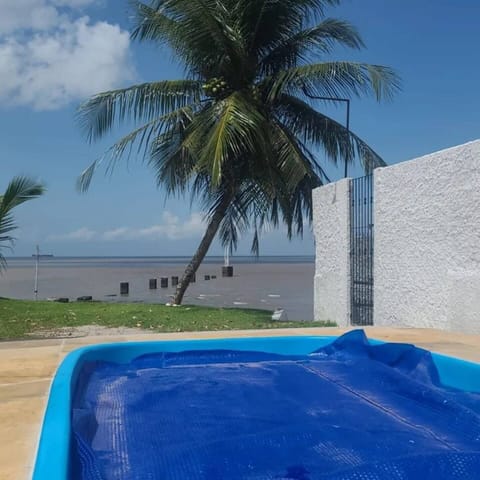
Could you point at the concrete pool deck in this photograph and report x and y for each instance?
(27, 368)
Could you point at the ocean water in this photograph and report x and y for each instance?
(266, 282)
(63, 262)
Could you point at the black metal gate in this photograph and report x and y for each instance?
(361, 250)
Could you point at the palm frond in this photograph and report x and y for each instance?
(255, 248)
(248, 204)
(173, 165)
(143, 102)
(19, 190)
(317, 129)
(142, 138)
(266, 23)
(310, 43)
(335, 79)
(302, 205)
(292, 163)
(196, 134)
(152, 24)
(237, 131)
(200, 32)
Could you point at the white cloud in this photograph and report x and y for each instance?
(26, 14)
(171, 228)
(51, 56)
(73, 3)
(82, 234)
(36, 14)
(116, 234)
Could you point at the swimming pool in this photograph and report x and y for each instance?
(261, 408)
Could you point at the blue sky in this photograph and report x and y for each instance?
(55, 53)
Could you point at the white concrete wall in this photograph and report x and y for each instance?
(332, 252)
(427, 241)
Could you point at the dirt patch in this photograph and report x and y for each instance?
(86, 331)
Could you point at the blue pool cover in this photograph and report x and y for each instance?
(347, 411)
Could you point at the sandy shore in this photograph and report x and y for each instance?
(254, 285)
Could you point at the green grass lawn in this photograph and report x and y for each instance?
(22, 318)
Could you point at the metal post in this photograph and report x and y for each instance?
(35, 288)
(348, 132)
(336, 99)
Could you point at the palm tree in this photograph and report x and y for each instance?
(240, 132)
(19, 190)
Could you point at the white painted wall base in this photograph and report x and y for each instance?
(427, 241)
(332, 250)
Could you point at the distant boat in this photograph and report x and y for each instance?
(42, 255)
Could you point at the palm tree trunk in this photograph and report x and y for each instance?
(202, 249)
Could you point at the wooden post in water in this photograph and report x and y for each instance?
(227, 269)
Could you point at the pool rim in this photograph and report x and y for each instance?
(55, 433)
